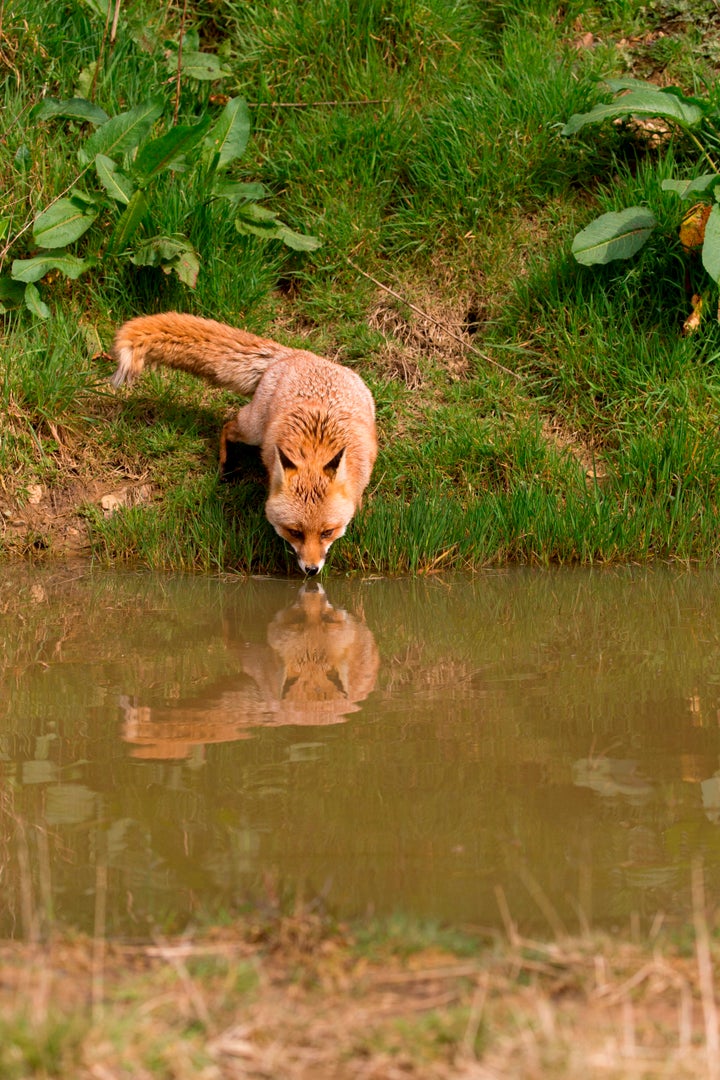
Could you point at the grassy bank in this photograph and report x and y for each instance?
(530, 408)
(298, 998)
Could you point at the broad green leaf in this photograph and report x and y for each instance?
(12, 293)
(613, 236)
(245, 228)
(711, 245)
(34, 304)
(237, 190)
(63, 222)
(255, 213)
(229, 135)
(298, 241)
(118, 185)
(173, 254)
(76, 108)
(686, 188)
(617, 85)
(628, 83)
(643, 102)
(255, 220)
(36, 268)
(190, 40)
(159, 154)
(128, 224)
(100, 7)
(123, 133)
(86, 79)
(187, 267)
(204, 67)
(159, 249)
(84, 198)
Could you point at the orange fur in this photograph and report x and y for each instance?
(314, 420)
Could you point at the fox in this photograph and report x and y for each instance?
(313, 419)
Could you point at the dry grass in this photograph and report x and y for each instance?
(298, 1001)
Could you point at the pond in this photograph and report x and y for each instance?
(540, 746)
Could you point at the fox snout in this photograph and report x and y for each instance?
(311, 548)
(309, 542)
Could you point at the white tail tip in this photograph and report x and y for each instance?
(123, 372)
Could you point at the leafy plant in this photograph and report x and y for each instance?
(121, 161)
(619, 235)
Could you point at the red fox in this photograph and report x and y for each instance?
(314, 420)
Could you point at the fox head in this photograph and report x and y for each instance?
(310, 504)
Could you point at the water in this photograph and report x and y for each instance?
(176, 746)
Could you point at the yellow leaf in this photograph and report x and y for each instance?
(692, 229)
(692, 322)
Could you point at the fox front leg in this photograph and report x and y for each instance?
(235, 431)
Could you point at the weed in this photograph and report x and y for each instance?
(404, 937)
(126, 160)
(51, 1048)
(620, 235)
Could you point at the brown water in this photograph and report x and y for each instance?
(171, 746)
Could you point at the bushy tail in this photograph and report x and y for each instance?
(220, 354)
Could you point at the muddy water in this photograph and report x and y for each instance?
(171, 746)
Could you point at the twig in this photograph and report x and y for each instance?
(116, 17)
(510, 927)
(3, 55)
(542, 900)
(315, 104)
(629, 1045)
(99, 943)
(192, 991)
(685, 1025)
(401, 978)
(184, 949)
(44, 875)
(176, 111)
(435, 564)
(477, 1005)
(705, 971)
(101, 56)
(612, 995)
(437, 322)
(27, 906)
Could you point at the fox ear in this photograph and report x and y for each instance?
(282, 465)
(335, 465)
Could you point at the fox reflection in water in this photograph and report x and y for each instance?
(318, 663)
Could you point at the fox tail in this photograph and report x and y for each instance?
(220, 354)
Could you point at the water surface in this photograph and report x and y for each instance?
(172, 746)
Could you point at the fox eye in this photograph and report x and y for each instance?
(297, 534)
(326, 534)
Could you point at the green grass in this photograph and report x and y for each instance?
(49, 1048)
(420, 141)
